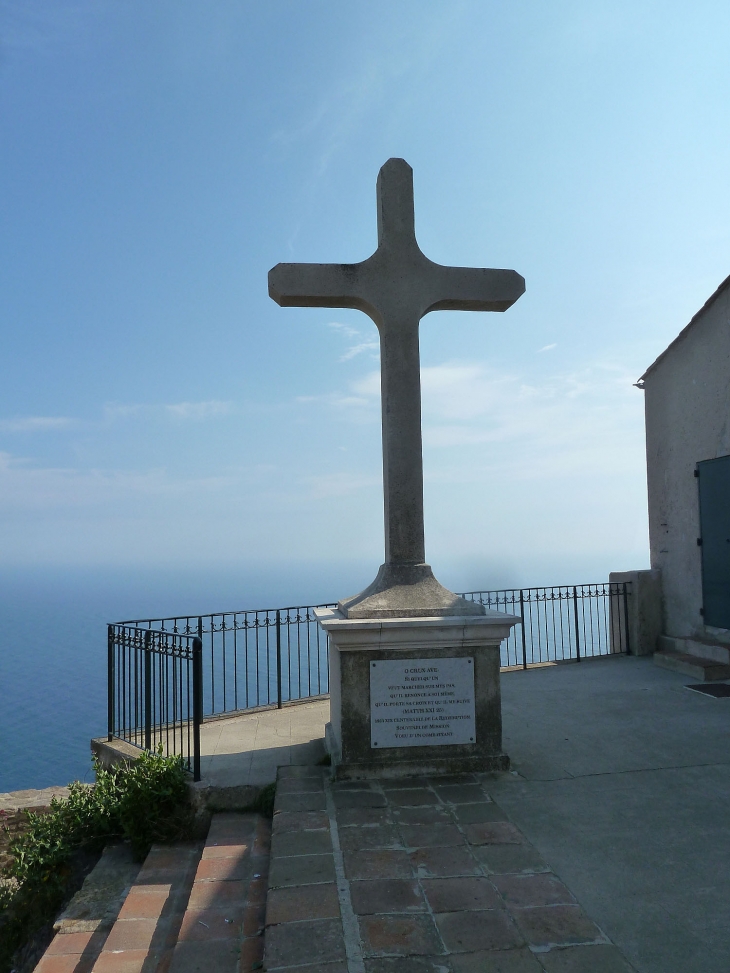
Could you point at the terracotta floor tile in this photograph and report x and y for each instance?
(509, 859)
(302, 843)
(443, 862)
(210, 924)
(301, 802)
(320, 941)
(207, 895)
(219, 956)
(411, 796)
(59, 963)
(362, 839)
(222, 869)
(398, 935)
(493, 833)
(302, 870)
(351, 799)
(301, 903)
(130, 934)
(299, 821)
(523, 891)
(362, 816)
(460, 793)
(460, 894)
(226, 850)
(422, 814)
(377, 864)
(467, 932)
(141, 904)
(128, 961)
(69, 944)
(478, 813)
(300, 785)
(386, 896)
(557, 925)
(431, 835)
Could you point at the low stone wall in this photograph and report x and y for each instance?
(14, 807)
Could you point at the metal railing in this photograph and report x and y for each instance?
(258, 659)
(561, 622)
(155, 691)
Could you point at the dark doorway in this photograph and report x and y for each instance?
(714, 482)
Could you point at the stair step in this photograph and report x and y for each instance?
(702, 648)
(145, 928)
(192, 907)
(224, 919)
(703, 670)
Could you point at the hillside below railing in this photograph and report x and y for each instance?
(259, 658)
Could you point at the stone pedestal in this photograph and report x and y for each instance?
(440, 682)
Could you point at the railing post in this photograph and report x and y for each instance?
(110, 681)
(278, 658)
(147, 691)
(626, 615)
(522, 623)
(575, 617)
(197, 703)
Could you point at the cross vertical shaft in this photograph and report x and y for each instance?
(400, 392)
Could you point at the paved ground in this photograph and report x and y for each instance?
(248, 749)
(624, 789)
(622, 785)
(423, 875)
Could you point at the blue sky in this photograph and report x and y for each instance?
(156, 159)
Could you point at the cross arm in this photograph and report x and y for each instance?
(316, 285)
(474, 289)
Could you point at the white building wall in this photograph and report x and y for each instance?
(687, 420)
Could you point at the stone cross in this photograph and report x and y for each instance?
(396, 287)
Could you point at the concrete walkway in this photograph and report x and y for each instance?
(247, 750)
(624, 788)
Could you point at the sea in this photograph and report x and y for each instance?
(53, 646)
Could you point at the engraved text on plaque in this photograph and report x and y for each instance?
(421, 702)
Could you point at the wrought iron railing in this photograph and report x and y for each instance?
(155, 691)
(561, 622)
(257, 659)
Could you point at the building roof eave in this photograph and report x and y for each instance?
(710, 300)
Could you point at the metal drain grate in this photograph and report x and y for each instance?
(720, 690)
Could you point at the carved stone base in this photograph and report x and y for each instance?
(355, 644)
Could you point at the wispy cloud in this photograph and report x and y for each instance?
(199, 410)
(360, 344)
(548, 347)
(35, 423)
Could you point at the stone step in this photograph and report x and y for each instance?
(702, 648)
(703, 670)
(222, 928)
(145, 928)
(191, 907)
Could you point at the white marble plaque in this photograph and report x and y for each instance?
(421, 702)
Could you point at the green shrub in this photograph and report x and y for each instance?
(144, 802)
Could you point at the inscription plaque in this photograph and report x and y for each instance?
(421, 702)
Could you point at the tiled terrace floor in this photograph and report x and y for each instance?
(417, 876)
